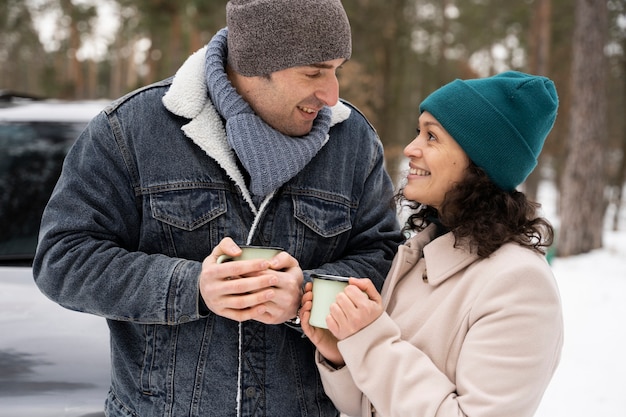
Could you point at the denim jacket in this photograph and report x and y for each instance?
(146, 192)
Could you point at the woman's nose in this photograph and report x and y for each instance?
(413, 148)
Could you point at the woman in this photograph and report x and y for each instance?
(469, 320)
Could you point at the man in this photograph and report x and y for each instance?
(247, 144)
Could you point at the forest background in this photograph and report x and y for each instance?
(402, 50)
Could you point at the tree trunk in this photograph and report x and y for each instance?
(584, 178)
(538, 63)
(621, 173)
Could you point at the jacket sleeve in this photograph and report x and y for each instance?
(508, 356)
(87, 257)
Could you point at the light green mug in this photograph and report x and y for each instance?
(251, 252)
(325, 290)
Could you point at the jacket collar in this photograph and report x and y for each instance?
(442, 259)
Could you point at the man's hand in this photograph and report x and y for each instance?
(268, 291)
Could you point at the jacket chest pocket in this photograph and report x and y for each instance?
(324, 217)
(189, 221)
(322, 228)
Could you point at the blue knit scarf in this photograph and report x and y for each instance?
(270, 157)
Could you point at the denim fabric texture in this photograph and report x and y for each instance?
(140, 204)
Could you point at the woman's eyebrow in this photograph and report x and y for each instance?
(431, 123)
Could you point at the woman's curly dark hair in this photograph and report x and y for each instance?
(480, 213)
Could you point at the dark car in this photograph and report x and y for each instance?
(53, 361)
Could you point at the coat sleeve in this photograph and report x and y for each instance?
(340, 387)
(509, 351)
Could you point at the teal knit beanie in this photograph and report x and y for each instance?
(501, 122)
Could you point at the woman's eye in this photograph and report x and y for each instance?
(430, 136)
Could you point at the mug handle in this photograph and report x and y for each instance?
(224, 258)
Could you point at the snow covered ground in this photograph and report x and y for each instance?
(591, 378)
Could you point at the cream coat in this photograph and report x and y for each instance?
(460, 336)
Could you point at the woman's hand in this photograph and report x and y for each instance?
(355, 308)
(323, 339)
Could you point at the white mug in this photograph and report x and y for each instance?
(325, 290)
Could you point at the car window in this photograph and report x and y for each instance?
(34, 140)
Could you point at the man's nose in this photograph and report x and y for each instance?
(328, 90)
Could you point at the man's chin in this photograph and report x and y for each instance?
(298, 132)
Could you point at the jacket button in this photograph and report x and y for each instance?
(250, 392)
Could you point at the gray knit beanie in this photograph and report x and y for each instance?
(265, 36)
